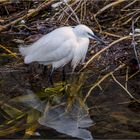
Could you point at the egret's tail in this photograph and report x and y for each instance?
(28, 59)
(24, 50)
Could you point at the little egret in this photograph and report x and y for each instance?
(59, 47)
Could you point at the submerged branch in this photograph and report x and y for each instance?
(124, 88)
(101, 80)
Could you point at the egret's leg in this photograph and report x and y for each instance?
(45, 69)
(63, 75)
(63, 79)
(51, 76)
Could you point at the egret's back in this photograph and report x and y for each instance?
(48, 42)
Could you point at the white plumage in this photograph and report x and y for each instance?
(59, 47)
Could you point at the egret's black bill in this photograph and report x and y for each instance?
(97, 38)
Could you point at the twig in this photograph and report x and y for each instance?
(111, 34)
(133, 74)
(65, 12)
(128, 5)
(121, 19)
(126, 79)
(131, 18)
(83, 10)
(121, 85)
(124, 88)
(99, 26)
(72, 11)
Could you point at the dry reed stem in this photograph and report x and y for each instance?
(114, 78)
(133, 74)
(77, 19)
(83, 10)
(3, 1)
(121, 19)
(126, 78)
(65, 12)
(130, 4)
(99, 26)
(7, 50)
(70, 15)
(131, 18)
(111, 34)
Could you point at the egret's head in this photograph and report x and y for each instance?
(84, 31)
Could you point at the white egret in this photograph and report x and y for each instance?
(59, 47)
